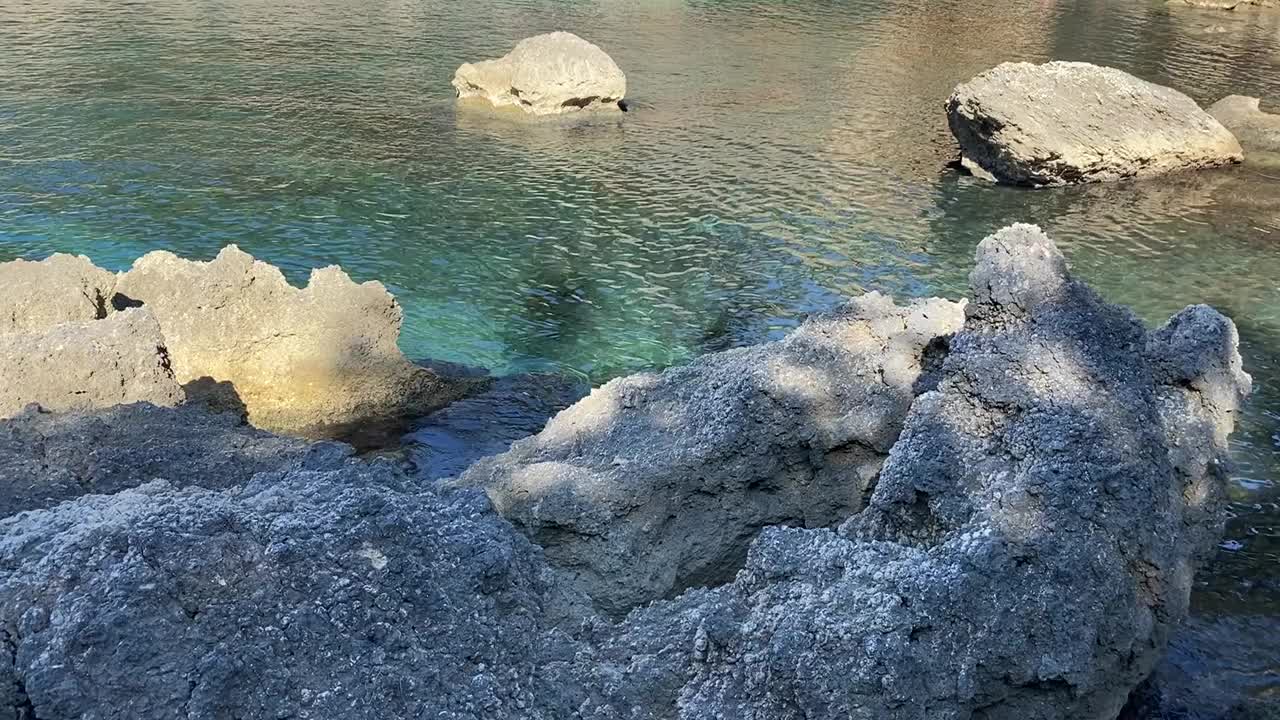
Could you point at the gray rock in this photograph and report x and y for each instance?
(658, 482)
(313, 361)
(61, 288)
(91, 364)
(448, 441)
(1257, 131)
(311, 595)
(1026, 550)
(48, 458)
(1067, 122)
(547, 74)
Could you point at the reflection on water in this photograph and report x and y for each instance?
(779, 157)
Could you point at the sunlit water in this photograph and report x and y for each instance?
(780, 156)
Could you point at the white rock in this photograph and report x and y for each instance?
(546, 75)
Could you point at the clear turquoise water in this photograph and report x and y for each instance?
(780, 156)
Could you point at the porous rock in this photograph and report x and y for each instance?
(1062, 123)
(36, 296)
(547, 74)
(1257, 131)
(309, 361)
(1025, 552)
(87, 364)
(658, 482)
(305, 594)
(47, 458)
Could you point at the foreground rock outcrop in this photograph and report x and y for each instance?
(317, 361)
(658, 482)
(47, 458)
(1026, 549)
(35, 296)
(547, 74)
(87, 364)
(1068, 122)
(1257, 131)
(309, 361)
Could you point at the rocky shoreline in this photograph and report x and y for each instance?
(987, 509)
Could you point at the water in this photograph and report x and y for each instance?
(780, 156)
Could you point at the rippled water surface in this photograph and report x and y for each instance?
(780, 156)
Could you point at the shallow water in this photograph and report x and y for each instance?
(780, 156)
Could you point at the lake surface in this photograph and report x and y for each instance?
(779, 157)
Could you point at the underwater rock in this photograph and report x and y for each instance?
(36, 296)
(1062, 123)
(47, 458)
(312, 361)
(658, 482)
(87, 364)
(547, 74)
(1257, 131)
(1027, 547)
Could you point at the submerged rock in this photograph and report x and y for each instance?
(36, 296)
(1068, 122)
(311, 361)
(1028, 546)
(448, 441)
(1257, 131)
(89, 364)
(47, 458)
(547, 74)
(658, 482)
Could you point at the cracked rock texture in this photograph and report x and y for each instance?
(1062, 123)
(87, 364)
(658, 482)
(47, 458)
(549, 74)
(1027, 548)
(311, 361)
(35, 296)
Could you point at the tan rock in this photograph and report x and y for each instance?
(547, 74)
(36, 296)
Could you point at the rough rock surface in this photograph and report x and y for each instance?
(1257, 131)
(1027, 549)
(306, 595)
(658, 482)
(91, 364)
(547, 74)
(35, 296)
(47, 458)
(308, 361)
(1067, 122)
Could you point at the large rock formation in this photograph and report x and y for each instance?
(1067, 122)
(546, 75)
(310, 361)
(1257, 131)
(35, 296)
(655, 483)
(89, 364)
(47, 458)
(1027, 547)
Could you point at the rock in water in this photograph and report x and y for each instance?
(1027, 547)
(1067, 122)
(35, 296)
(90, 364)
(1257, 131)
(656, 483)
(546, 75)
(306, 361)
